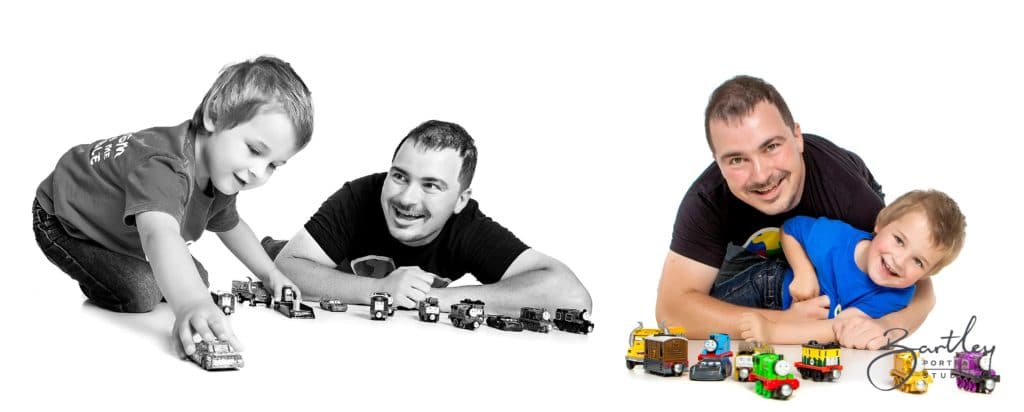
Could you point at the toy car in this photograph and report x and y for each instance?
(635, 353)
(429, 309)
(467, 314)
(287, 305)
(908, 377)
(252, 291)
(332, 305)
(225, 300)
(710, 369)
(773, 376)
(505, 323)
(969, 372)
(820, 362)
(216, 355)
(666, 355)
(573, 321)
(381, 306)
(535, 319)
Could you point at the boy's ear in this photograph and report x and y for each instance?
(463, 200)
(207, 123)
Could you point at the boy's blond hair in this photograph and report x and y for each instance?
(246, 89)
(947, 224)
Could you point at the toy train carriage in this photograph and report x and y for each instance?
(252, 291)
(666, 355)
(573, 321)
(773, 376)
(635, 353)
(428, 309)
(467, 314)
(744, 360)
(382, 305)
(972, 372)
(820, 362)
(906, 376)
(535, 319)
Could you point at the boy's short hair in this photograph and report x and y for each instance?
(947, 224)
(246, 89)
(737, 97)
(438, 135)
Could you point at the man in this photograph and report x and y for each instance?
(765, 172)
(420, 214)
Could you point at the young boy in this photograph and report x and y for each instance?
(867, 275)
(118, 215)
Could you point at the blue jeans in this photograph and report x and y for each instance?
(748, 279)
(111, 280)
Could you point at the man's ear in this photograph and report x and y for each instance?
(463, 200)
(799, 136)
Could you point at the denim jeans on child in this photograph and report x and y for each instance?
(111, 280)
(749, 279)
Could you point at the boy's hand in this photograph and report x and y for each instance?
(277, 281)
(856, 330)
(407, 285)
(803, 288)
(755, 327)
(811, 309)
(201, 321)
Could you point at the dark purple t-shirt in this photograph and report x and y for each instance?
(97, 189)
(838, 185)
(350, 224)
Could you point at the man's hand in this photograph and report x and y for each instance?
(277, 281)
(859, 332)
(407, 285)
(803, 288)
(755, 327)
(201, 321)
(811, 309)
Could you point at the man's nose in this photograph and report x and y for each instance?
(410, 195)
(761, 171)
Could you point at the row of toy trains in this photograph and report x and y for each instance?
(467, 314)
(665, 352)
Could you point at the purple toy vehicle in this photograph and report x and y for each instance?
(967, 368)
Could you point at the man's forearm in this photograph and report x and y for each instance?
(538, 289)
(319, 281)
(703, 315)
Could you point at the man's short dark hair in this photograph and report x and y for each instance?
(438, 135)
(737, 97)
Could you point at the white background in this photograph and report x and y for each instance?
(588, 118)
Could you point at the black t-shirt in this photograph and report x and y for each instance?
(838, 185)
(350, 224)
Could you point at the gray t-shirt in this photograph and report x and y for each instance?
(97, 189)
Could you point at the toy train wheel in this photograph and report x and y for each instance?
(784, 392)
(678, 369)
(476, 324)
(988, 387)
(743, 374)
(836, 373)
(630, 364)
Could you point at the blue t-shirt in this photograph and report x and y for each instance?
(830, 245)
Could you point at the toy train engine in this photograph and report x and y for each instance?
(745, 359)
(973, 372)
(467, 314)
(908, 377)
(534, 319)
(381, 305)
(666, 355)
(252, 291)
(429, 309)
(773, 376)
(820, 362)
(573, 321)
(637, 347)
